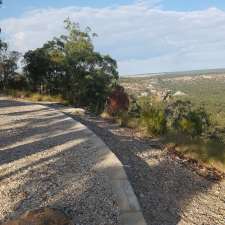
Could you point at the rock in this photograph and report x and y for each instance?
(43, 216)
(179, 93)
(142, 195)
(74, 111)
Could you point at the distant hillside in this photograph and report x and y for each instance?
(202, 87)
(178, 73)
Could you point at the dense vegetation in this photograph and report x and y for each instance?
(202, 92)
(160, 118)
(194, 122)
(67, 66)
(207, 93)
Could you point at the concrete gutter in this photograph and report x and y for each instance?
(130, 211)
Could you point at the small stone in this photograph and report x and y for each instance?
(142, 195)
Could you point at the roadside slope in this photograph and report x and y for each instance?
(169, 192)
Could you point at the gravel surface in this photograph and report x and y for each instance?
(169, 192)
(47, 159)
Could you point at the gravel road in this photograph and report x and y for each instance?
(47, 159)
(169, 192)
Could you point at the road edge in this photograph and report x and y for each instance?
(129, 207)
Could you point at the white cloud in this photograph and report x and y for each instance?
(142, 37)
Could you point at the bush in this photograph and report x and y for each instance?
(183, 117)
(178, 117)
(152, 117)
(156, 118)
(134, 108)
(17, 82)
(118, 101)
(123, 118)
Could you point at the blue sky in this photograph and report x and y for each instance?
(143, 36)
(188, 5)
(16, 8)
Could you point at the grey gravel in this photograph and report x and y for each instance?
(47, 159)
(169, 192)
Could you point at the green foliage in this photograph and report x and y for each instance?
(37, 68)
(18, 82)
(202, 92)
(157, 118)
(206, 150)
(152, 116)
(3, 47)
(8, 66)
(207, 93)
(122, 118)
(69, 66)
(182, 117)
(195, 122)
(134, 108)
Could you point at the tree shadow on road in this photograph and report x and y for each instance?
(50, 162)
(5, 103)
(61, 179)
(164, 187)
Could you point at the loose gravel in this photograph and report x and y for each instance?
(47, 159)
(168, 191)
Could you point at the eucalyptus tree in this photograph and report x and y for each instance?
(8, 66)
(69, 65)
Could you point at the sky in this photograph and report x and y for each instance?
(144, 36)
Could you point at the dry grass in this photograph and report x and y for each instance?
(36, 97)
(208, 152)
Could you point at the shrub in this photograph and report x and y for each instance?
(122, 118)
(183, 117)
(118, 101)
(134, 108)
(153, 117)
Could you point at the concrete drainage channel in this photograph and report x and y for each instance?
(130, 211)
